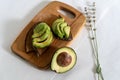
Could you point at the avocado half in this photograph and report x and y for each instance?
(63, 60)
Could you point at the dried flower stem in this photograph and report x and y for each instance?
(90, 11)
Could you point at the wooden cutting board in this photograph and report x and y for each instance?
(48, 15)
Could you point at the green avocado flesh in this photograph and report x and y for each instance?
(66, 31)
(63, 60)
(45, 43)
(42, 36)
(60, 30)
(40, 29)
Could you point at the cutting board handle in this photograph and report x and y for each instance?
(64, 7)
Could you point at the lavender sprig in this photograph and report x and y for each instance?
(90, 12)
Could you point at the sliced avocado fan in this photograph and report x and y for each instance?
(42, 35)
(63, 60)
(61, 29)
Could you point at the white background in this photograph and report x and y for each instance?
(16, 14)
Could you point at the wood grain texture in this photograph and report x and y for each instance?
(48, 15)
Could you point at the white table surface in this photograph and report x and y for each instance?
(15, 14)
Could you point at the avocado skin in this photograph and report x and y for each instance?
(75, 60)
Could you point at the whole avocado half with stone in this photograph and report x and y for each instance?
(63, 60)
(42, 35)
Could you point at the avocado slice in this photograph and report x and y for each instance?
(58, 20)
(61, 29)
(55, 24)
(40, 29)
(43, 37)
(45, 43)
(63, 60)
(67, 31)
(58, 31)
(54, 28)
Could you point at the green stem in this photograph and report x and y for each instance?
(93, 38)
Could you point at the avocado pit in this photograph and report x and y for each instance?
(64, 59)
